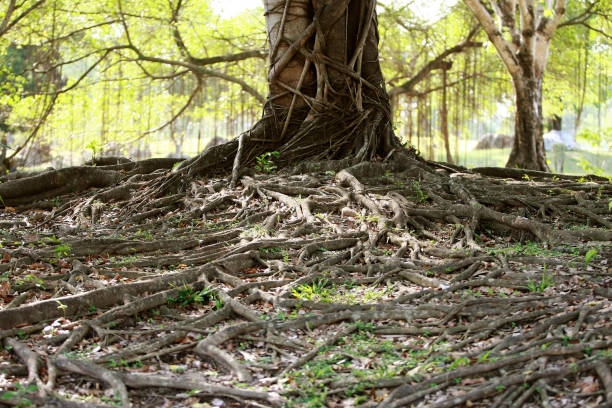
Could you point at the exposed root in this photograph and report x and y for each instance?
(385, 283)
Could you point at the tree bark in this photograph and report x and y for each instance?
(444, 115)
(528, 148)
(327, 96)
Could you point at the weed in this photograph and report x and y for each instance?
(544, 283)
(50, 240)
(276, 251)
(316, 289)
(589, 256)
(95, 146)
(33, 279)
(372, 295)
(218, 301)
(61, 306)
(364, 327)
(62, 250)
(255, 231)
(147, 235)
(460, 362)
(188, 296)
(265, 163)
(421, 196)
(116, 401)
(20, 395)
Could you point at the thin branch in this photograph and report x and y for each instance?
(504, 49)
(6, 25)
(180, 112)
(436, 63)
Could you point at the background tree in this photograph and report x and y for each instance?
(522, 41)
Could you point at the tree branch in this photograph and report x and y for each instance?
(436, 63)
(6, 24)
(504, 50)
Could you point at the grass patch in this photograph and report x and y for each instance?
(572, 163)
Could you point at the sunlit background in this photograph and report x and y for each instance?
(119, 110)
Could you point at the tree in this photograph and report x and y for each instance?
(522, 43)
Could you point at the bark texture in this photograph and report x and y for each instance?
(528, 148)
(327, 95)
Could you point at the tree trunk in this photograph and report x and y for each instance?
(522, 43)
(327, 95)
(444, 114)
(528, 147)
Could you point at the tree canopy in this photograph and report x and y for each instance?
(171, 76)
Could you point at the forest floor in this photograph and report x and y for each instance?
(323, 285)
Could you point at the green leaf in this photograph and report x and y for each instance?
(589, 256)
(8, 395)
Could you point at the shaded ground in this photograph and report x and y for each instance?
(381, 285)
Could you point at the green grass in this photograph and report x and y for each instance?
(498, 157)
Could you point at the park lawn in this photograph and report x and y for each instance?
(573, 163)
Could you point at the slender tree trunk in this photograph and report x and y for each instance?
(444, 115)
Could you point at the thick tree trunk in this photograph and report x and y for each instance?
(327, 97)
(528, 149)
(327, 94)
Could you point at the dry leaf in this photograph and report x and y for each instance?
(471, 381)
(589, 385)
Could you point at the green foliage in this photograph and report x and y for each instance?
(33, 279)
(315, 290)
(421, 196)
(589, 256)
(62, 250)
(114, 105)
(20, 395)
(544, 283)
(265, 162)
(95, 146)
(187, 296)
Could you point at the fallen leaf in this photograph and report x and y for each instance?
(589, 385)
(471, 381)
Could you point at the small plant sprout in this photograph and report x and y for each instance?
(544, 283)
(421, 196)
(62, 250)
(20, 395)
(589, 256)
(265, 162)
(95, 147)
